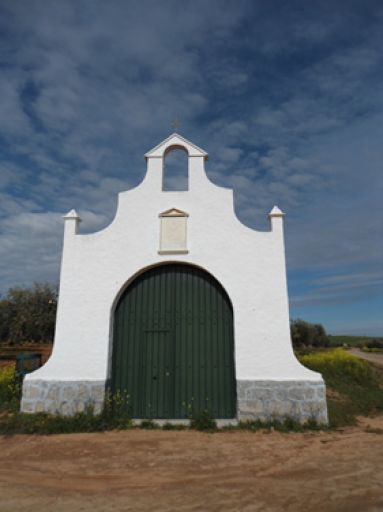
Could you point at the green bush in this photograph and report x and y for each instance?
(375, 343)
(116, 409)
(113, 416)
(9, 390)
(304, 334)
(203, 421)
(374, 350)
(28, 314)
(42, 423)
(172, 426)
(338, 364)
(149, 424)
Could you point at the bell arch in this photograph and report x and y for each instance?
(175, 169)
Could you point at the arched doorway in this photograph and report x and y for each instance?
(173, 347)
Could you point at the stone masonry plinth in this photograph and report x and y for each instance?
(63, 398)
(277, 400)
(256, 400)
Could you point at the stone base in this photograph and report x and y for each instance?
(268, 400)
(63, 398)
(256, 400)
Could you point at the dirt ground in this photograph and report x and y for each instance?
(372, 357)
(158, 470)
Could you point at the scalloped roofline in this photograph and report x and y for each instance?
(175, 139)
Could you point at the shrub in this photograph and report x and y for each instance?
(304, 334)
(28, 314)
(173, 426)
(339, 364)
(113, 416)
(9, 390)
(116, 409)
(203, 421)
(372, 350)
(41, 423)
(149, 424)
(375, 343)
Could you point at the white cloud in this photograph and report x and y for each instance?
(288, 115)
(29, 248)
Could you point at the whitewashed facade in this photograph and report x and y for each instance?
(199, 227)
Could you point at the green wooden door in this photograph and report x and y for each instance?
(173, 345)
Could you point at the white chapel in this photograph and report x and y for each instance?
(177, 305)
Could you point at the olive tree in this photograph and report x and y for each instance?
(28, 314)
(304, 334)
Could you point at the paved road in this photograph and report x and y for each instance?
(376, 358)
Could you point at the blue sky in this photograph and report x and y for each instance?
(286, 97)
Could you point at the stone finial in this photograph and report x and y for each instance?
(72, 215)
(276, 212)
(71, 228)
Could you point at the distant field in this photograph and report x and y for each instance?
(352, 340)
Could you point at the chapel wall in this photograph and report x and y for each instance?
(249, 264)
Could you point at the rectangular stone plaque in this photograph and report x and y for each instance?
(173, 232)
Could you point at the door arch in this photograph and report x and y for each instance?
(173, 345)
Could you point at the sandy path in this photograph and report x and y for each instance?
(376, 358)
(177, 471)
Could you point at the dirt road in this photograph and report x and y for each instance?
(140, 470)
(372, 357)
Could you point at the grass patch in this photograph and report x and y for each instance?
(149, 425)
(173, 426)
(355, 387)
(14, 422)
(288, 425)
(41, 423)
